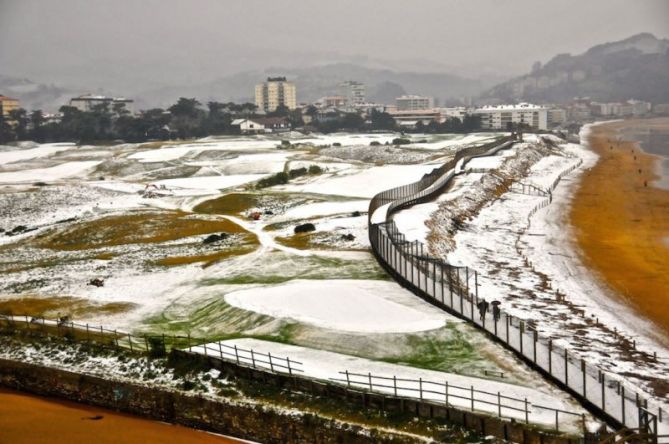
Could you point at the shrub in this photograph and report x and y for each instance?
(336, 144)
(304, 228)
(297, 172)
(401, 141)
(277, 179)
(315, 169)
(374, 143)
(156, 347)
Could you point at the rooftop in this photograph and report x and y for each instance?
(519, 106)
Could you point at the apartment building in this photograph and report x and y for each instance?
(414, 103)
(353, 92)
(503, 117)
(276, 91)
(88, 101)
(7, 104)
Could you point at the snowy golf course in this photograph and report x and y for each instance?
(195, 238)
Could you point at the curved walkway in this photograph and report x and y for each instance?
(448, 287)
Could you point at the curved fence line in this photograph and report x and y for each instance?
(449, 288)
(443, 393)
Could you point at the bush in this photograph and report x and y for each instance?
(401, 141)
(297, 172)
(304, 228)
(277, 179)
(315, 169)
(156, 347)
(336, 144)
(374, 143)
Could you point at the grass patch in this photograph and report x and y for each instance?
(450, 353)
(61, 305)
(208, 259)
(233, 203)
(154, 227)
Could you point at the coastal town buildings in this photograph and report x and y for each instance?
(7, 104)
(87, 102)
(275, 92)
(353, 92)
(414, 103)
(502, 117)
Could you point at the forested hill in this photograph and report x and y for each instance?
(637, 67)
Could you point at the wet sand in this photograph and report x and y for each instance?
(621, 224)
(31, 419)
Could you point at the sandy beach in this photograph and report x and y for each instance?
(621, 219)
(29, 419)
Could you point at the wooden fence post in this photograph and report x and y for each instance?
(527, 413)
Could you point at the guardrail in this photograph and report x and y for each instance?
(449, 288)
(436, 393)
(469, 398)
(248, 358)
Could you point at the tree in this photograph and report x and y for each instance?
(18, 118)
(382, 121)
(37, 121)
(187, 118)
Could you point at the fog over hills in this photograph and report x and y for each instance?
(157, 50)
(636, 67)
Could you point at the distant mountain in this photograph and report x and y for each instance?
(34, 95)
(634, 68)
(318, 81)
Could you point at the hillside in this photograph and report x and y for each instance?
(35, 95)
(637, 67)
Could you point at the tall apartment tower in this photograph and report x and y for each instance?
(353, 92)
(274, 92)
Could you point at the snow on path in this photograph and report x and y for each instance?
(325, 365)
(209, 184)
(62, 171)
(342, 304)
(45, 150)
(265, 238)
(365, 183)
(459, 141)
(323, 209)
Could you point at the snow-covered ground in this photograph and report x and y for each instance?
(330, 366)
(530, 263)
(322, 289)
(340, 304)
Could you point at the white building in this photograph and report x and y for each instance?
(458, 112)
(276, 91)
(503, 117)
(88, 101)
(414, 103)
(262, 125)
(353, 92)
(556, 116)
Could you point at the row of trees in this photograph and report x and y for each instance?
(187, 118)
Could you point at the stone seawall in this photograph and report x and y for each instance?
(251, 422)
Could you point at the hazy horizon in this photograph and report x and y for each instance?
(138, 45)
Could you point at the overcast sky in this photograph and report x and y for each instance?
(170, 40)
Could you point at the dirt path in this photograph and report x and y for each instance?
(621, 221)
(30, 419)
